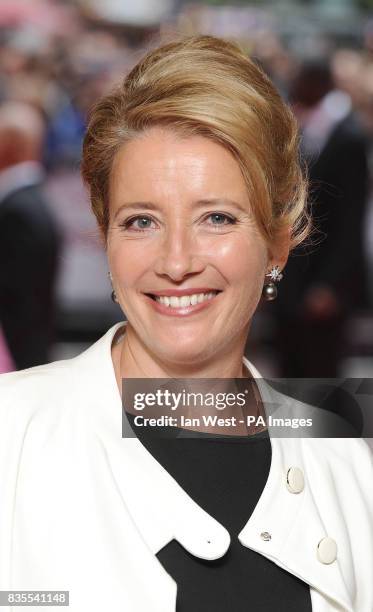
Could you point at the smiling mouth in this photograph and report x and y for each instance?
(173, 301)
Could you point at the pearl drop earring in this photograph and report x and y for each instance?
(269, 291)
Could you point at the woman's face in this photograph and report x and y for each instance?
(187, 260)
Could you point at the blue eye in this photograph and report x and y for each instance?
(138, 223)
(221, 219)
(143, 222)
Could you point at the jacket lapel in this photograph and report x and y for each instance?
(162, 510)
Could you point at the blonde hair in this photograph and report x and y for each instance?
(202, 85)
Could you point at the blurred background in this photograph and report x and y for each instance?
(57, 57)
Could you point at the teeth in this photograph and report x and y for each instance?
(185, 300)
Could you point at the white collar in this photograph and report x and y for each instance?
(163, 511)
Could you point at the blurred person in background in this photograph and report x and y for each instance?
(29, 239)
(83, 71)
(325, 284)
(347, 66)
(365, 87)
(277, 61)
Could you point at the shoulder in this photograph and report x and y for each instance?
(33, 392)
(343, 457)
(329, 449)
(341, 464)
(59, 387)
(23, 381)
(48, 412)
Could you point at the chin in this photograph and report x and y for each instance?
(179, 352)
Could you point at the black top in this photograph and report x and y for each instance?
(225, 475)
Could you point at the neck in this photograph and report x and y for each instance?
(132, 360)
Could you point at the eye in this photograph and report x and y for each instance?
(139, 223)
(220, 219)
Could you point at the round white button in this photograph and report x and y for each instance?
(295, 480)
(327, 550)
(266, 536)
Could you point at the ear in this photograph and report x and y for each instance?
(278, 250)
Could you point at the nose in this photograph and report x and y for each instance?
(178, 254)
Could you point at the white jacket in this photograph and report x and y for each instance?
(85, 510)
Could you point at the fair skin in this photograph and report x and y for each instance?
(180, 219)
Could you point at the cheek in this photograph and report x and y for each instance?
(127, 261)
(242, 261)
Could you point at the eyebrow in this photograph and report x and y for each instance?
(197, 204)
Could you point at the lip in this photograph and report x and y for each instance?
(180, 312)
(181, 292)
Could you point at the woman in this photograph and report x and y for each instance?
(192, 166)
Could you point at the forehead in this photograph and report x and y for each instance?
(164, 162)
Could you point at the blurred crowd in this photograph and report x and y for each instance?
(55, 60)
